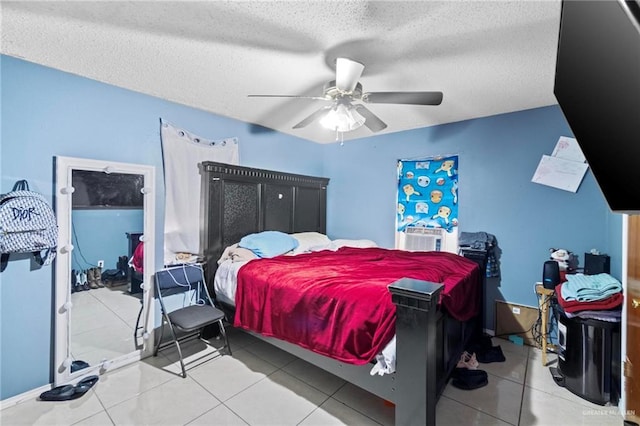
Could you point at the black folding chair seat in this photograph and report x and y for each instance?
(186, 306)
(192, 317)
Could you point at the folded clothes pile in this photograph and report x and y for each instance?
(611, 315)
(589, 288)
(484, 242)
(610, 302)
(591, 297)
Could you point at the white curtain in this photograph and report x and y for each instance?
(182, 151)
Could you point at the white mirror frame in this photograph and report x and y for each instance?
(63, 305)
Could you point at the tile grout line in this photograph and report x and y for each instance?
(103, 406)
(321, 391)
(524, 385)
(329, 397)
(476, 409)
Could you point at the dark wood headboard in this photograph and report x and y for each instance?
(237, 201)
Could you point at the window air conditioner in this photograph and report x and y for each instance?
(423, 239)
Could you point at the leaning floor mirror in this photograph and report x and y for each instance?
(104, 268)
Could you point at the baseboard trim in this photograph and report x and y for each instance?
(31, 394)
(98, 370)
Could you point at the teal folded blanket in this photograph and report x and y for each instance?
(588, 288)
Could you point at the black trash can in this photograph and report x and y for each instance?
(589, 358)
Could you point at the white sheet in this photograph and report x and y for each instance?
(226, 281)
(182, 151)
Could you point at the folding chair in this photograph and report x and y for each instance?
(186, 305)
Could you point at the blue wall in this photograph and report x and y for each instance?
(47, 113)
(101, 234)
(497, 158)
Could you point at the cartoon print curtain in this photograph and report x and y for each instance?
(428, 193)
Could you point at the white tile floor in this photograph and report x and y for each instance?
(102, 323)
(261, 385)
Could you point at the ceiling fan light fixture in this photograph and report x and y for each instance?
(348, 73)
(342, 118)
(342, 115)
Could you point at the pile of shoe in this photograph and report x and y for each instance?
(466, 375)
(75, 285)
(95, 277)
(120, 276)
(86, 279)
(79, 281)
(485, 351)
(480, 350)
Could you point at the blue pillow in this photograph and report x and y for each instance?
(268, 243)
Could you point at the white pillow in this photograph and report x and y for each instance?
(308, 241)
(336, 244)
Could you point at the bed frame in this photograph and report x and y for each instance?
(237, 201)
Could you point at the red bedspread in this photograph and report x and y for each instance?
(337, 303)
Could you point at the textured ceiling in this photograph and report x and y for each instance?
(487, 57)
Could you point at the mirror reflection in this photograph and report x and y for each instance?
(107, 223)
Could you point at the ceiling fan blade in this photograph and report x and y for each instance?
(315, 116)
(318, 98)
(411, 98)
(371, 120)
(348, 73)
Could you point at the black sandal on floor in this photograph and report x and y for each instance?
(59, 393)
(69, 392)
(84, 385)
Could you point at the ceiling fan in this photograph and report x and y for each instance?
(343, 114)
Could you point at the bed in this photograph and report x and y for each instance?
(238, 201)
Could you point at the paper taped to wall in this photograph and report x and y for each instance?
(560, 173)
(568, 149)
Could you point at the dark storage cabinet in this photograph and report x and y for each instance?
(481, 258)
(589, 358)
